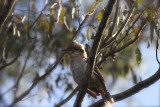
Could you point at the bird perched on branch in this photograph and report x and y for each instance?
(78, 64)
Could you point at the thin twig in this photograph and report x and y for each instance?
(35, 82)
(120, 30)
(6, 14)
(79, 28)
(20, 75)
(39, 14)
(77, 9)
(110, 29)
(157, 44)
(2, 67)
(131, 91)
(22, 71)
(123, 47)
(114, 22)
(28, 18)
(136, 37)
(68, 98)
(127, 31)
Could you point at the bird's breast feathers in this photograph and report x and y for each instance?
(78, 67)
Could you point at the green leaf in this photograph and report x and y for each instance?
(134, 77)
(71, 1)
(151, 30)
(92, 36)
(150, 13)
(52, 9)
(148, 45)
(76, 36)
(94, 7)
(99, 16)
(52, 12)
(138, 56)
(88, 30)
(146, 12)
(47, 25)
(64, 61)
(155, 28)
(122, 43)
(39, 23)
(26, 26)
(62, 16)
(139, 2)
(120, 24)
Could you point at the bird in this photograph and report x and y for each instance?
(78, 64)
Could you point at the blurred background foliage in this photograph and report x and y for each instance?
(37, 31)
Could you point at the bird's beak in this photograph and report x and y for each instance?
(67, 50)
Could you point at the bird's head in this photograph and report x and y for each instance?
(75, 49)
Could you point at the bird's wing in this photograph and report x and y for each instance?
(98, 74)
(97, 71)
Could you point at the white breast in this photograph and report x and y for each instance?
(78, 67)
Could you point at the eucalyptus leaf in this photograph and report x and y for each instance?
(138, 56)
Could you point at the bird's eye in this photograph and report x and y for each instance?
(81, 50)
(75, 48)
(78, 49)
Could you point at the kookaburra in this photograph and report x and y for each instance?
(78, 64)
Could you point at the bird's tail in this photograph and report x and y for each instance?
(109, 101)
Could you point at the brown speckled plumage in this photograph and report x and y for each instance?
(78, 65)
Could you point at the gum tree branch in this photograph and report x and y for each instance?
(114, 22)
(5, 13)
(157, 44)
(133, 90)
(94, 52)
(68, 98)
(119, 31)
(125, 46)
(16, 58)
(11, 62)
(35, 82)
(39, 15)
(79, 28)
(127, 31)
(19, 76)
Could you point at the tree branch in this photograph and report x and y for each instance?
(98, 37)
(68, 98)
(5, 13)
(94, 50)
(133, 90)
(119, 31)
(39, 15)
(113, 25)
(80, 26)
(130, 27)
(157, 44)
(79, 98)
(3, 66)
(19, 54)
(35, 82)
(123, 47)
